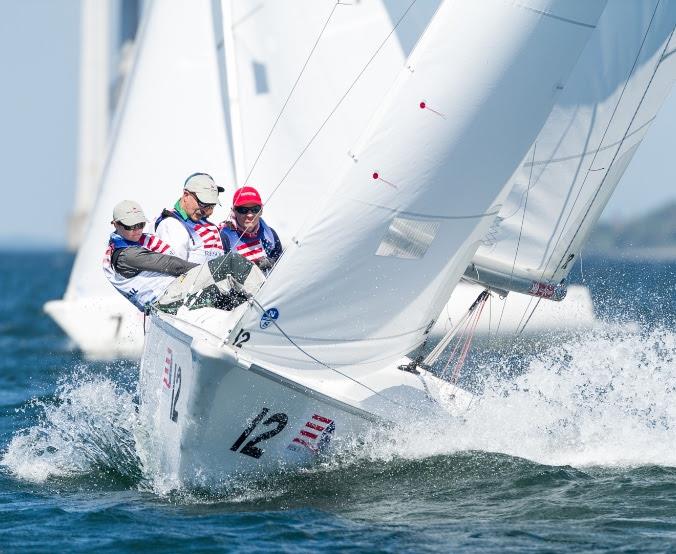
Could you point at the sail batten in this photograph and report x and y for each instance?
(447, 136)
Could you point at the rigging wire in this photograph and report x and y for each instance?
(335, 108)
(341, 99)
(293, 88)
(320, 362)
(463, 332)
(518, 242)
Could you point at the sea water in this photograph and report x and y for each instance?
(570, 445)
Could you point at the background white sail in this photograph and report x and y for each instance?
(170, 125)
(266, 46)
(614, 92)
(404, 219)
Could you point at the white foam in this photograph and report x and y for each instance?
(608, 398)
(88, 424)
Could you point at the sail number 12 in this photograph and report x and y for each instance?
(250, 449)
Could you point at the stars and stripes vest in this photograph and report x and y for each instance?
(203, 234)
(252, 248)
(146, 286)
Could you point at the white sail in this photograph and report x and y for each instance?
(269, 46)
(622, 78)
(406, 216)
(170, 125)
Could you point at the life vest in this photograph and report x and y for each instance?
(252, 248)
(145, 286)
(204, 235)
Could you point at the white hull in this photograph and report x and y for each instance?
(102, 328)
(211, 415)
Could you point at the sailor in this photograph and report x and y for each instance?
(186, 227)
(247, 234)
(139, 265)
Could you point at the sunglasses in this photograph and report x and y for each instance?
(201, 205)
(132, 227)
(243, 210)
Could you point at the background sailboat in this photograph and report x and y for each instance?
(169, 125)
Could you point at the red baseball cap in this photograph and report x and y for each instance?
(246, 195)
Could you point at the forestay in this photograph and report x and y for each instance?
(170, 124)
(375, 266)
(614, 92)
(323, 45)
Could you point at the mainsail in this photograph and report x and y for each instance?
(614, 92)
(405, 216)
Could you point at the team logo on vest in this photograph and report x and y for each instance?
(268, 317)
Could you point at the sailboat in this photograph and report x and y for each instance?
(317, 356)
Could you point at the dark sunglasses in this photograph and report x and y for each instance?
(243, 210)
(132, 227)
(201, 205)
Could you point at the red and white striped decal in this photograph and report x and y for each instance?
(166, 375)
(151, 242)
(209, 235)
(252, 250)
(312, 431)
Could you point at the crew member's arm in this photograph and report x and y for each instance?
(128, 262)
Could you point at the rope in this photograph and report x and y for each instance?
(320, 362)
(518, 242)
(464, 331)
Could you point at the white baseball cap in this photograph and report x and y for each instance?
(204, 188)
(129, 212)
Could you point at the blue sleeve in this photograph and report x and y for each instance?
(225, 240)
(277, 250)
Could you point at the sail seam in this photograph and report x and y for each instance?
(589, 152)
(558, 17)
(431, 216)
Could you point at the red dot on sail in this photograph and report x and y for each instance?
(375, 175)
(422, 105)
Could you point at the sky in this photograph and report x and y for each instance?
(38, 123)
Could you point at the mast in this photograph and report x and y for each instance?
(93, 114)
(225, 40)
